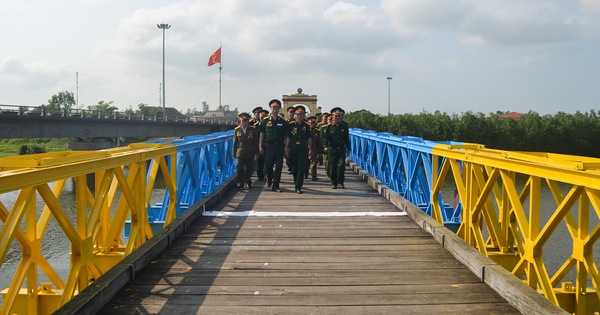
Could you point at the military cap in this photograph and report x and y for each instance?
(299, 109)
(244, 116)
(275, 102)
(311, 119)
(256, 109)
(291, 109)
(264, 113)
(337, 111)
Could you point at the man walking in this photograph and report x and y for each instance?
(336, 142)
(299, 134)
(316, 147)
(273, 144)
(245, 144)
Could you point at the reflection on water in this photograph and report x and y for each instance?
(55, 245)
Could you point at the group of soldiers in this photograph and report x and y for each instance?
(304, 142)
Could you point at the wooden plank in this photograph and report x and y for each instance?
(296, 265)
(166, 307)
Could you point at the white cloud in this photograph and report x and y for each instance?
(341, 50)
(517, 63)
(505, 22)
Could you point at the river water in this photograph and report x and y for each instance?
(56, 247)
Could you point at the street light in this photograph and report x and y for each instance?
(389, 85)
(164, 27)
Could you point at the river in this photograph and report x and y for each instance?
(55, 245)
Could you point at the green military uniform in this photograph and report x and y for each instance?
(337, 140)
(323, 130)
(275, 131)
(260, 160)
(316, 151)
(245, 146)
(299, 133)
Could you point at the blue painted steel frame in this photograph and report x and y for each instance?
(405, 164)
(203, 163)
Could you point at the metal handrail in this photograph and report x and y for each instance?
(492, 212)
(123, 182)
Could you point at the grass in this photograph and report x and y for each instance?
(10, 147)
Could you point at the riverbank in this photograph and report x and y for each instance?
(11, 147)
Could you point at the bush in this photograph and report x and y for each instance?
(34, 149)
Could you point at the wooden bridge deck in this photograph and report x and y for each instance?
(302, 254)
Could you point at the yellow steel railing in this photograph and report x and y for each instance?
(506, 221)
(122, 189)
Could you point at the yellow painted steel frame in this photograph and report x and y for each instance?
(121, 191)
(510, 217)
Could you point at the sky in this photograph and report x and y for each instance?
(451, 56)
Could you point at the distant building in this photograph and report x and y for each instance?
(220, 113)
(513, 115)
(173, 112)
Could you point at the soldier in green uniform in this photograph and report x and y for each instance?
(260, 160)
(255, 116)
(290, 118)
(300, 146)
(326, 123)
(316, 145)
(336, 141)
(321, 122)
(274, 144)
(245, 144)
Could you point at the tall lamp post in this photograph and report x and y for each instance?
(389, 92)
(163, 27)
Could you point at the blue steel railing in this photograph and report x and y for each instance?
(203, 163)
(404, 164)
(124, 181)
(536, 214)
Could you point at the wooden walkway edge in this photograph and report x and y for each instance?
(352, 251)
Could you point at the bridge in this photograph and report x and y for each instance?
(443, 226)
(78, 124)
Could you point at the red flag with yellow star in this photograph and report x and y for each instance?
(215, 57)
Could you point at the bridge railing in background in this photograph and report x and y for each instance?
(43, 111)
(495, 201)
(124, 179)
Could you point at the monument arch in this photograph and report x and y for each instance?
(299, 98)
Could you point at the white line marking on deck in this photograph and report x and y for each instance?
(299, 214)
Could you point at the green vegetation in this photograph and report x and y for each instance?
(575, 134)
(11, 147)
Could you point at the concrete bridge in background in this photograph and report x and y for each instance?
(89, 131)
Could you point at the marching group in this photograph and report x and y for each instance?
(304, 142)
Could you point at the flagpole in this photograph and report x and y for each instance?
(220, 68)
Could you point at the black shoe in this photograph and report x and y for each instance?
(276, 189)
(315, 178)
(239, 186)
(343, 187)
(270, 183)
(299, 191)
(289, 172)
(333, 186)
(249, 184)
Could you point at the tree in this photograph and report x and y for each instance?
(205, 108)
(102, 108)
(61, 101)
(149, 111)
